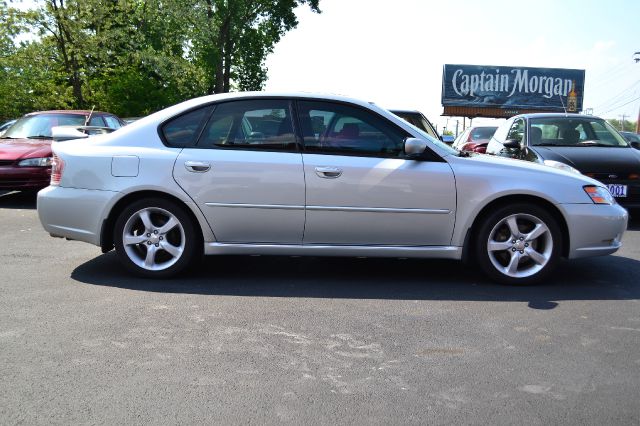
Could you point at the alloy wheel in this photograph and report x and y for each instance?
(520, 245)
(153, 239)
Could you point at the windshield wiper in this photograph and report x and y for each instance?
(594, 143)
(39, 137)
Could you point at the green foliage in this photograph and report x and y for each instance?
(134, 57)
(629, 126)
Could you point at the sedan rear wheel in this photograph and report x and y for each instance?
(155, 238)
(519, 244)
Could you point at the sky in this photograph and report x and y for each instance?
(392, 52)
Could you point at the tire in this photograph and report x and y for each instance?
(519, 244)
(156, 238)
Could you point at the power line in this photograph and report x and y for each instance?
(618, 103)
(605, 75)
(613, 109)
(615, 98)
(613, 76)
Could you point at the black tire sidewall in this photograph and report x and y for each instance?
(482, 255)
(191, 249)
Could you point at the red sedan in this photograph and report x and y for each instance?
(474, 139)
(25, 148)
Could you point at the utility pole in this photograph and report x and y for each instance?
(636, 58)
(622, 117)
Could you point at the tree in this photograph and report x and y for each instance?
(629, 126)
(237, 37)
(136, 56)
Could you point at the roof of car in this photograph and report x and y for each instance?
(68, 111)
(555, 114)
(405, 111)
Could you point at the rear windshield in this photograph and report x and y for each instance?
(481, 133)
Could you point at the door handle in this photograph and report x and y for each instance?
(328, 172)
(197, 166)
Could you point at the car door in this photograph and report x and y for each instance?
(361, 190)
(245, 172)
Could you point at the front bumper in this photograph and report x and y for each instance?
(594, 230)
(17, 178)
(74, 213)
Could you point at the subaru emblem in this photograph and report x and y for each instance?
(613, 176)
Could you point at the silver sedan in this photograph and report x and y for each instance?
(302, 174)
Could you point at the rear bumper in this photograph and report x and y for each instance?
(74, 213)
(594, 230)
(13, 177)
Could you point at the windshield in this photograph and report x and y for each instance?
(573, 131)
(39, 126)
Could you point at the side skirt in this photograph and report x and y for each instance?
(438, 252)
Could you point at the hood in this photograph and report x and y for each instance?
(594, 159)
(18, 149)
(518, 166)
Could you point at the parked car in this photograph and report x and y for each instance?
(417, 119)
(303, 174)
(474, 139)
(632, 138)
(573, 142)
(129, 120)
(448, 139)
(25, 148)
(4, 126)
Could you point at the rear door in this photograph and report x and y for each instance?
(245, 172)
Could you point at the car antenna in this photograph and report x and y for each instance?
(563, 107)
(89, 116)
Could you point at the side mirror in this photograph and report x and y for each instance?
(512, 144)
(636, 145)
(414, 147)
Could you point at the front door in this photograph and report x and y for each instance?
(361, 190)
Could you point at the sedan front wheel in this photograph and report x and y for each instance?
(519, 244)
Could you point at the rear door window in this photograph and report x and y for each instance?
(184, 129)
(251, 124)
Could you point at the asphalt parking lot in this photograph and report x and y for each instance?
(310, 340)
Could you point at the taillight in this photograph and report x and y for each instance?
(57, 167)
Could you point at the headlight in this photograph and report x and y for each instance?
(36, 162)
(561, 166)
(599, 195)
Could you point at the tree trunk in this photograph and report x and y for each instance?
(223, 61)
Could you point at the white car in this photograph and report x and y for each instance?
(303, 174)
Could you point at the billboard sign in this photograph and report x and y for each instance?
(545, 89)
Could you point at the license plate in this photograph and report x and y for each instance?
(618, 191)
